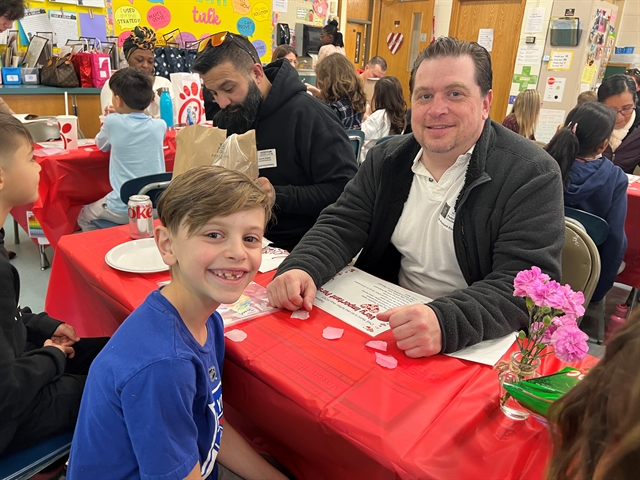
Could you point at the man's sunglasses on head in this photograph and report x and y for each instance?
(221, 38)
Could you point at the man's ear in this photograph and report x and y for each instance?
(257, 73)
(164, 242)
(2, 182)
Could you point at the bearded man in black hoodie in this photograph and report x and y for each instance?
(304, 154)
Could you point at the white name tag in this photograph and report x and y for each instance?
(267, 158)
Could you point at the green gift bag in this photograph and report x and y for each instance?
(537, 394)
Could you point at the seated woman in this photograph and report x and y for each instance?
(340, 86)
(331, 40)
(524, 118)
(388, 113)
(595, 426)
(618, 92)
(139, 52)
(592, 182)
(285, 51)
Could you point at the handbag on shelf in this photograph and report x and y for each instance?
(59, 72)
(82, 64)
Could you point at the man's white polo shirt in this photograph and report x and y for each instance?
(424, 233)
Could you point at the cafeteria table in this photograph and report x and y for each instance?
(70, 180)
(324, 408)
(631, 274)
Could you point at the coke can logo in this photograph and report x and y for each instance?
(140, 212)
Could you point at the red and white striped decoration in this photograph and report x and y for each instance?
(394, 41)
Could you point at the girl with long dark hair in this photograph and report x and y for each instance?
(592, 182)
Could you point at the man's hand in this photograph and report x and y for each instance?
(266, 187)
(292, 290)
(68, 351)
(415, 328)
(65, 335)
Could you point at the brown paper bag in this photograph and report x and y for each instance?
(200, 145)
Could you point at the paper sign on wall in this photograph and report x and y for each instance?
(529, 54)
(560, 60)
(588, 72)
(554, 89)
(280, 5)
(535, 20)
(548, 123)
(485, 38)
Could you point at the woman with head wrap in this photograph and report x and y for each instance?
(139, 53)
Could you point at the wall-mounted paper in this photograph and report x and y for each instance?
(68, 2)
(65, 26)
(280, 5)
(93, 26)
(91, 3)
(588, 72)
(560, 60)
(35, 20)
(548, 122)
(535, 20)
(530, 54)
(554, 89)
(485, 38)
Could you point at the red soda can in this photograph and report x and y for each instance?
(140, 216)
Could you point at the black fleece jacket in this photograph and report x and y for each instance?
(25, 366)
(509, 217)
(314, 157)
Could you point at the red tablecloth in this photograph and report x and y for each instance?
(631, 273)
(71, 180)
(324, 408)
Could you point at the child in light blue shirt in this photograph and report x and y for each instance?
(135, 141)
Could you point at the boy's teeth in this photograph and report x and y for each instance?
(229, 276)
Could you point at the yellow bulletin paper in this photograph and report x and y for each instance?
(560, 60)
(588, 72)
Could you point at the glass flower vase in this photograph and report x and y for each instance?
(515, 371)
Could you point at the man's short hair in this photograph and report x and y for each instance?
(201, 193)
(378, 61)
(14, 135)
(133, 86)
(230, 51)
(12, 9)
(452, 47)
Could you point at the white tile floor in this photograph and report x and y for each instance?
(34, 282)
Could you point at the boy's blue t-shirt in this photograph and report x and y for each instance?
(152, 404)
(136, 144)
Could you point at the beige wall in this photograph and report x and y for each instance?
(629, 24)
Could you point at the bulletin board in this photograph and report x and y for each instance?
(196, 19)
(82, 18)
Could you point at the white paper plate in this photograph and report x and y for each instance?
(137, 256)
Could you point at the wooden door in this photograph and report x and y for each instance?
(355, 42)
(505, 18)
(414, 21)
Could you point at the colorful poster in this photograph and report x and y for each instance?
(197, 19)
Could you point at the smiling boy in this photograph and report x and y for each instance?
(153, 403)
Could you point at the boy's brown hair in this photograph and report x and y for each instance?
(201, 193)
(13, 135)
(588, 96)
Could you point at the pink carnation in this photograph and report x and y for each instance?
(570, 343)
(550, 294)
(527, 281)
(573, 303)
(536, 328)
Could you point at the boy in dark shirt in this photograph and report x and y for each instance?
(43, 362)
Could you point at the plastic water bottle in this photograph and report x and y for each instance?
(617, 319)
(166, 107)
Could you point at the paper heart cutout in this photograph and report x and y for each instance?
(394, 42)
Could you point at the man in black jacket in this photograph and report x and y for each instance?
(304, 154)
(453, 211)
